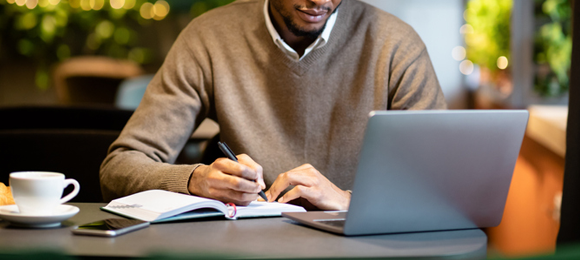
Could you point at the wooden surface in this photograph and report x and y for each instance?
(531, 218)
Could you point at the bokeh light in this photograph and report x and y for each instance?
(117, 4)
(49, 31)
(487, 31)
(466, 67)
(26, 21)
(458, 53)
(129, 4)
(160, 10)
(105, 29)
(146, 11)
(466, 29)
(139, 55)
(97, 4)
(122, 35)
(75, 3)
(502, 62)
(86, 5)
(43, 3)
(48, 28)
(30, 4)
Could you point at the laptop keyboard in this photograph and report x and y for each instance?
(332, 222)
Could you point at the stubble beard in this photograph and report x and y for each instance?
(293, 26)
(301, 32)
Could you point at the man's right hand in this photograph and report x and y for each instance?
(228, 181)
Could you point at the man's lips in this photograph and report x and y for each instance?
(313, 12)
(312, 15)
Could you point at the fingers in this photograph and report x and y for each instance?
(305, 175)
(226, 181)
(240, 169)
(238, 198)
(248, 161)
(235, 176)
(220, 180)
(295, 193)
(246, 168)
(311, 185)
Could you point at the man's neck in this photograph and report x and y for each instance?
(298, 43)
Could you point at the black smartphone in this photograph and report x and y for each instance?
(110, 227)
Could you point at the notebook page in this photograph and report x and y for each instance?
(266, 209)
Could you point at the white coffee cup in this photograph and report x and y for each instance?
(39, 193)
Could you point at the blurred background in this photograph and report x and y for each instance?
(488, 54)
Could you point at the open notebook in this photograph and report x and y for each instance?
(162, 206)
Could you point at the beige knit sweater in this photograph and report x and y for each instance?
(280, 112)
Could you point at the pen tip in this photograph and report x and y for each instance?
(263, 195)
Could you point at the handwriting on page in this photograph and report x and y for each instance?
(132, 206)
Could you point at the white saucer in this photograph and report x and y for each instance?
(11, 214)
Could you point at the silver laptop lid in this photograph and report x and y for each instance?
(434, 170)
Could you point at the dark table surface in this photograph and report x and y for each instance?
(253, 238)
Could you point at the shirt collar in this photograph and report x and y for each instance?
(318, 43)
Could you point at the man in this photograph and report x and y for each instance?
(290, 82)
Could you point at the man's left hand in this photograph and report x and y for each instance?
(309, 184)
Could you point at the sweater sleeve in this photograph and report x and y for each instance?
(413, 84)
(174, 104)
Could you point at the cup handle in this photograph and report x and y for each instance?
(73, 193)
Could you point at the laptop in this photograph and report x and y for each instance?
(428, 171)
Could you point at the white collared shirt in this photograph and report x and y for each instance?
(318, 43)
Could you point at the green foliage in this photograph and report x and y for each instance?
(54, 30)
(552, 47)
(48, 33)
(490, 37)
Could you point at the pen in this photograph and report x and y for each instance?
(230, 154)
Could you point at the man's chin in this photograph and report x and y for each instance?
(309, 34)
(305, 31)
